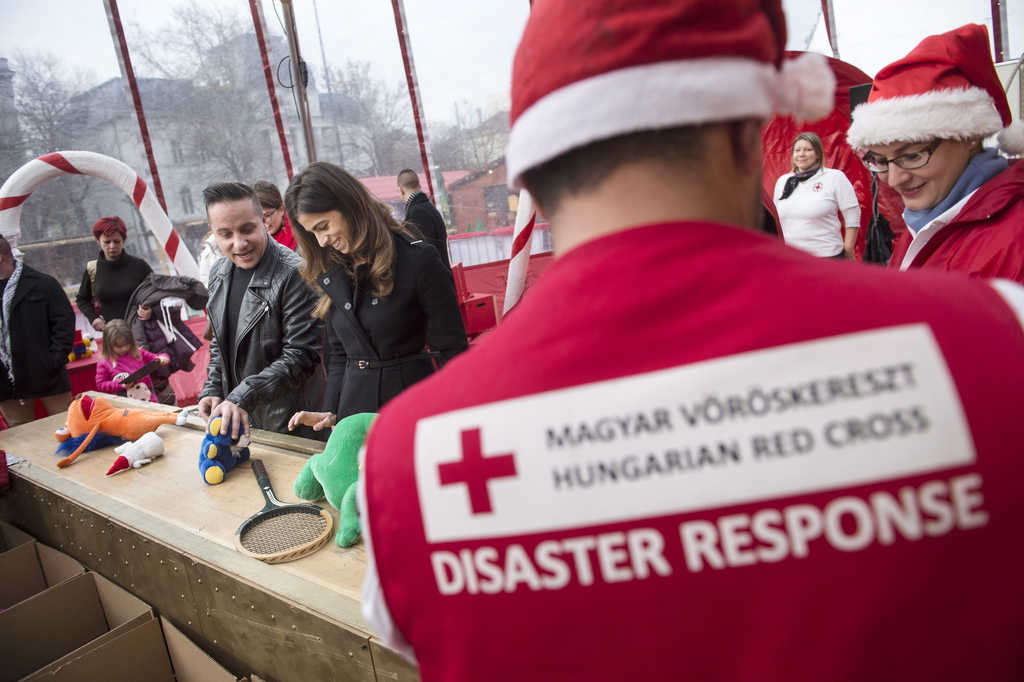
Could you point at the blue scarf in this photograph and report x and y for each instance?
(982, 168)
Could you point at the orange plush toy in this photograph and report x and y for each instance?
(94, 423)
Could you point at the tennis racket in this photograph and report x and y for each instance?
(281, 532)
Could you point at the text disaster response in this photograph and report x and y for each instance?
(773, 533)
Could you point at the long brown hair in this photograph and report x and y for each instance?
(322, 187)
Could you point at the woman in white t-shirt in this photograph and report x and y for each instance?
(810, 199)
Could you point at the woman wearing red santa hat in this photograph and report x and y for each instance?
(922, 131)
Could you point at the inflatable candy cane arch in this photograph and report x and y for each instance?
(29, 177)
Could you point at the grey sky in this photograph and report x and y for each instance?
(462, 48)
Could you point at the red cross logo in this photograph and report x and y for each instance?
(475, 470)
(817, 187)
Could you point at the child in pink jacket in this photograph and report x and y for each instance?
(119, 358)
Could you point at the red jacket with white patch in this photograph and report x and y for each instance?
(679, 456)
(986, 239)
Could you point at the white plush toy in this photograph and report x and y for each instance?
(142, 451)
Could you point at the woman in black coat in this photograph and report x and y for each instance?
(389, 303)
(113, 277)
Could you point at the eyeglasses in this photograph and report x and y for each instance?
(910, 161)
(270, 214)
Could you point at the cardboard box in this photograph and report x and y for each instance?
(31, 568)
(191, 664)
(138, 654)
(11, 537)
(82, 613)
(58, 622)
(155, 651)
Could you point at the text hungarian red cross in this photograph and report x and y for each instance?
(475, 470)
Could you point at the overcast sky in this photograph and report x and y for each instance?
(462, 48)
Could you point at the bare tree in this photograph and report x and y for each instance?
(12, 145)
(44, 98)
(471, 141)
(51, 118)
(58, 109)
(367, 123)
(447, 144)
(221, 120)
(377, 121)
(189, 45)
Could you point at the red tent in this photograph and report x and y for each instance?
(777, 139)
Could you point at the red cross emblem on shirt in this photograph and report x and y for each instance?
(475, 470)
(817, 187)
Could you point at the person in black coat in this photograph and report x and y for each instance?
(154, 314)
(422, 215)
(388, 300)
(37, 330)
(113, 277)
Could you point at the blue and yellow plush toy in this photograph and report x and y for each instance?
(334, 473)
(218, 454)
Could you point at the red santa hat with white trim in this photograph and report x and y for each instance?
(588, 70)
(945, 88)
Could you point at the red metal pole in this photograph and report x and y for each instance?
(298, 83)
(257, 21)
(414, 90)
(828, 12)
(997, 31)
(125, 60)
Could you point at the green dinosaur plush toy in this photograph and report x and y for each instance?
(334, 473)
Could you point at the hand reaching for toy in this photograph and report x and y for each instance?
(206, 406)
(234, 418)
(318, 420)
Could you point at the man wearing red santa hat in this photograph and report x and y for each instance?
(658, 467)
(921, 131)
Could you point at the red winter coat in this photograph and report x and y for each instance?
(986, 239)
(284, 236)
(660, 468)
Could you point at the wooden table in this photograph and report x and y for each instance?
(164, 535)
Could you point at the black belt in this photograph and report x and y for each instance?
(378, 364)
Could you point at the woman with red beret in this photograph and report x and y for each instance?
(113, 277)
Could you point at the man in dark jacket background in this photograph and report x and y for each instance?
(422, 214)
(265, 353)
(37, 329)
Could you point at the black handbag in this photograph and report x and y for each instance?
(878, 247)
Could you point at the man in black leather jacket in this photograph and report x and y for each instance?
(265, 353)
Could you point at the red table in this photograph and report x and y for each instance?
(186, 384)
